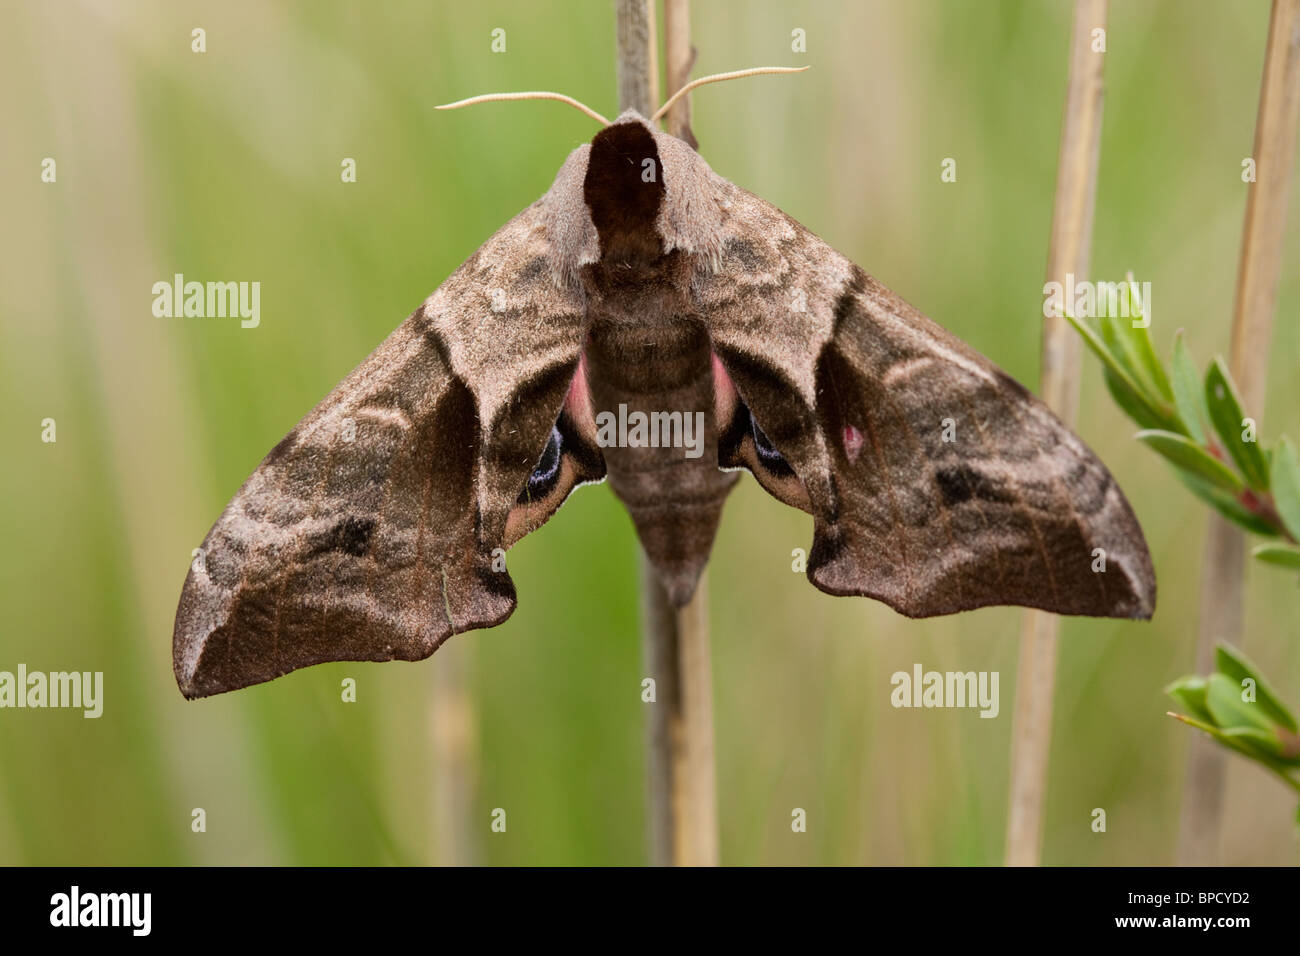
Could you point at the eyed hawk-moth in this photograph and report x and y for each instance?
(643, 279)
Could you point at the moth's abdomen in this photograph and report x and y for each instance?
(652, 393)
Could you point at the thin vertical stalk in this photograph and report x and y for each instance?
(1258, 271)
(679, 57)
(696, 802)
(1068, 252)
(453, 732)
(682, 796)
(636, 56)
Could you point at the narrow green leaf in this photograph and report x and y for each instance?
(1100, 349)
(1225, 504)
(1230, 712)
(1230, 661)
(1284, 472)
(1127, 393)
(1190, 692)
(1112, 333)
(1136, 324)
(1122, 340)
(1230, 742)
(1265, 742)
(1136, 406)
(1187, 455)
(1189, 397)
(1151, 362)
(1283, 555)
(1225, 412)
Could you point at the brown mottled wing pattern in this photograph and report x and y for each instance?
(937, 483)
(368, 532)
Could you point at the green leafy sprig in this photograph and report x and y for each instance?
(1239, 709)
(1197, 424)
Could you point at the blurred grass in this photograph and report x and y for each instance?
(226, 166)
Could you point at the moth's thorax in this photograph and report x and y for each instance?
(645, 293)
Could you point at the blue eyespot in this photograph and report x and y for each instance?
(547, 470)
(767, 453)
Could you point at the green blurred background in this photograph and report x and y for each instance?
(226, 166)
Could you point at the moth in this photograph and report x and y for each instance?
(643, 281)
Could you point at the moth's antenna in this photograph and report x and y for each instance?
(532, 95)
(718, 78)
